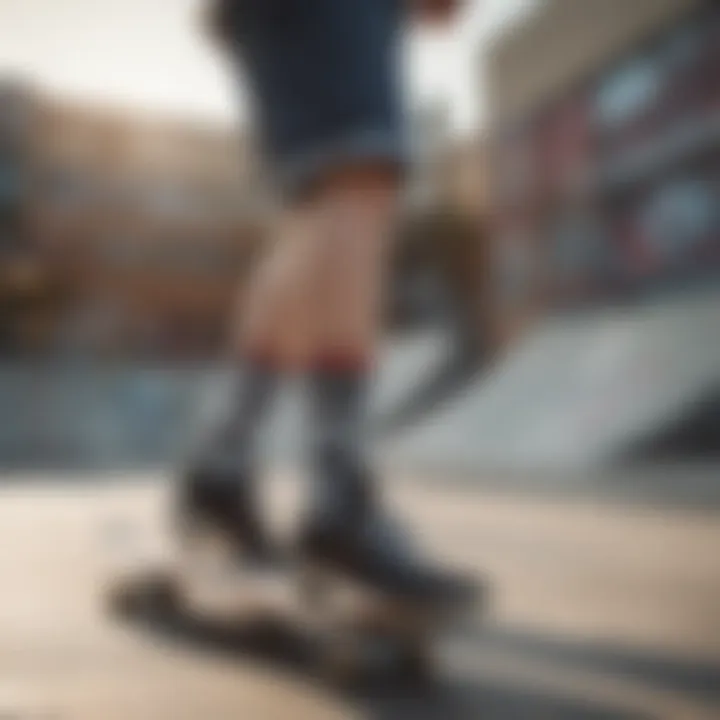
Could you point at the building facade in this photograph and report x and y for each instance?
(134, 231)
(605, 123)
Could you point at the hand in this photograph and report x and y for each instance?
(435, 12)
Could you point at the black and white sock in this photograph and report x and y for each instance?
(343, 486)
(230, 446)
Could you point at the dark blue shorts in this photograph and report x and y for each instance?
(324, 77)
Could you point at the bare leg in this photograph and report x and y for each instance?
(270, 338)
(353, 215)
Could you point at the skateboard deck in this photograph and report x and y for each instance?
(339, 631)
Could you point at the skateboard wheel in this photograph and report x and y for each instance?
(312, 586)
(349, 663)
(142, 597)
(343, 661)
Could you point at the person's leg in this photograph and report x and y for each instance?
(275, 314)
(348, 529)
(269, 342)
(354, 211)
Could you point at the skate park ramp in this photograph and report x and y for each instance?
(583, 391)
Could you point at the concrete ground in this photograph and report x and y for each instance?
(600, 611)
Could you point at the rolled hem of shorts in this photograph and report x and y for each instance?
(299, 174)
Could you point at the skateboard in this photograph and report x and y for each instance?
(341, 632)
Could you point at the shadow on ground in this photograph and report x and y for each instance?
(468, 690)
(699, 680)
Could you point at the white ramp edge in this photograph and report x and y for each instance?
(577, 390)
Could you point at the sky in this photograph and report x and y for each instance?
(148, 54)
